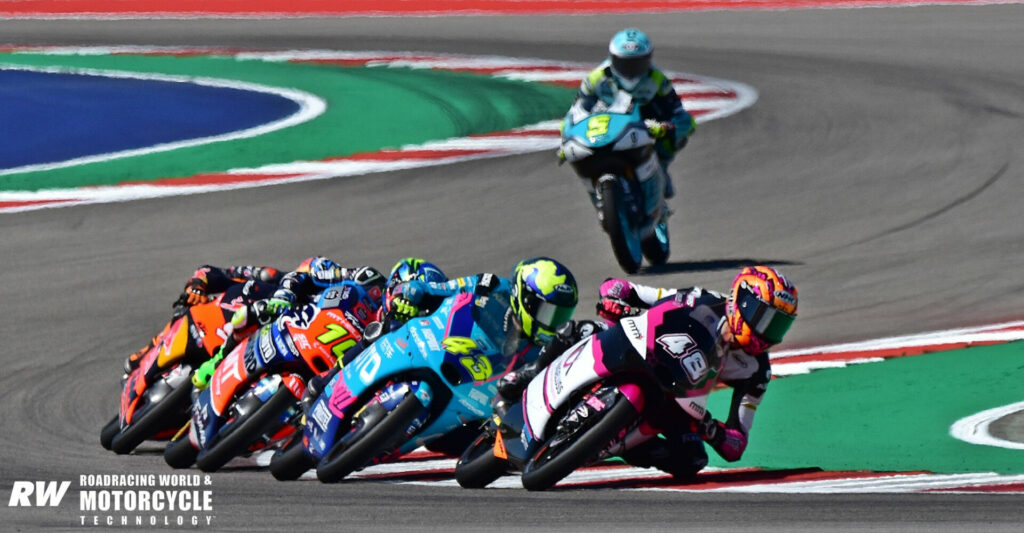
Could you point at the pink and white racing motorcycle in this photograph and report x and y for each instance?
(598, 397)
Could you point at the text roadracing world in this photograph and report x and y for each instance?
(126, 500)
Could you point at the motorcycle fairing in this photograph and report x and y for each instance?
(461, 354)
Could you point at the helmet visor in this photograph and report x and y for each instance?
(631, 67)
(769, 323)
(547, 315)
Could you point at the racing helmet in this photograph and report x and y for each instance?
(321, 270)
(408, 269)
(304, 265)
(761, 309)
(544, 296)
(371, 280)
(630, 55)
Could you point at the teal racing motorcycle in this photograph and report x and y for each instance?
(407, 389)
(611, 148)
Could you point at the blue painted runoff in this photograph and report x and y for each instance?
(53, 117)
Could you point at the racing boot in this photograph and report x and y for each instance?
(132, 362)
(510, 388)
(202, 376)
(680, 455)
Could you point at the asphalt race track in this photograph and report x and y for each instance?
(880, 169)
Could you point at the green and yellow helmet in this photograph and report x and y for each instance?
(544, 296)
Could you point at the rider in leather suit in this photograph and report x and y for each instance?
(629, 68)
(754, 317)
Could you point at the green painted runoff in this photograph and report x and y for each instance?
(893, 415)
(367, 109)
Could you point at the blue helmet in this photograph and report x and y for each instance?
(408, 269)
(321, 270)
(630, 54)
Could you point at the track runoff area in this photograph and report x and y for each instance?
(970, 450)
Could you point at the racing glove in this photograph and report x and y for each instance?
(193, 294)
(660, 130)
(405, 300)
(618, 298)
(265, 311)
(728, 442)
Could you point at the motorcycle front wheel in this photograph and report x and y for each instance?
(655, 246)
(110, 431)
(560, 455)
(383, 437)
(478, 466)
(245, 431)
(170, 411)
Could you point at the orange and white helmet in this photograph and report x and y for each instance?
(761, 309)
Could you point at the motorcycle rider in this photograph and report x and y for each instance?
(628, 68)
(760, 309)
(543, 297)
(408, 269)
(256, 283)
(296, 288)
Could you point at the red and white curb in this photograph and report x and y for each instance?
(149, 9)
(431, 469)
(706, 98)
(802, 361)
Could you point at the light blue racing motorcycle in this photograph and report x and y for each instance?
(406, 389)
(611, 148)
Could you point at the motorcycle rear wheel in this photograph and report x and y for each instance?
(655, 246)
(627, 251)
(171, 411)
(289, 463)
(260, 421)
(383, 437)
(478, 467)
(550, 464)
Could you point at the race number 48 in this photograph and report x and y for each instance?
(683, 347)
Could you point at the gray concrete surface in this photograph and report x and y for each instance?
(881, 169)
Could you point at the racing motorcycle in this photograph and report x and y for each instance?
(252, 402)
(569, 417)
(612, 149)
(410, 388)
(155, 394)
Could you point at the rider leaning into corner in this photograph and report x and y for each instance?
(543, 297)
(253, 283)
(296, 288)
(629, 68)
(405, 270)
(756, 315)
